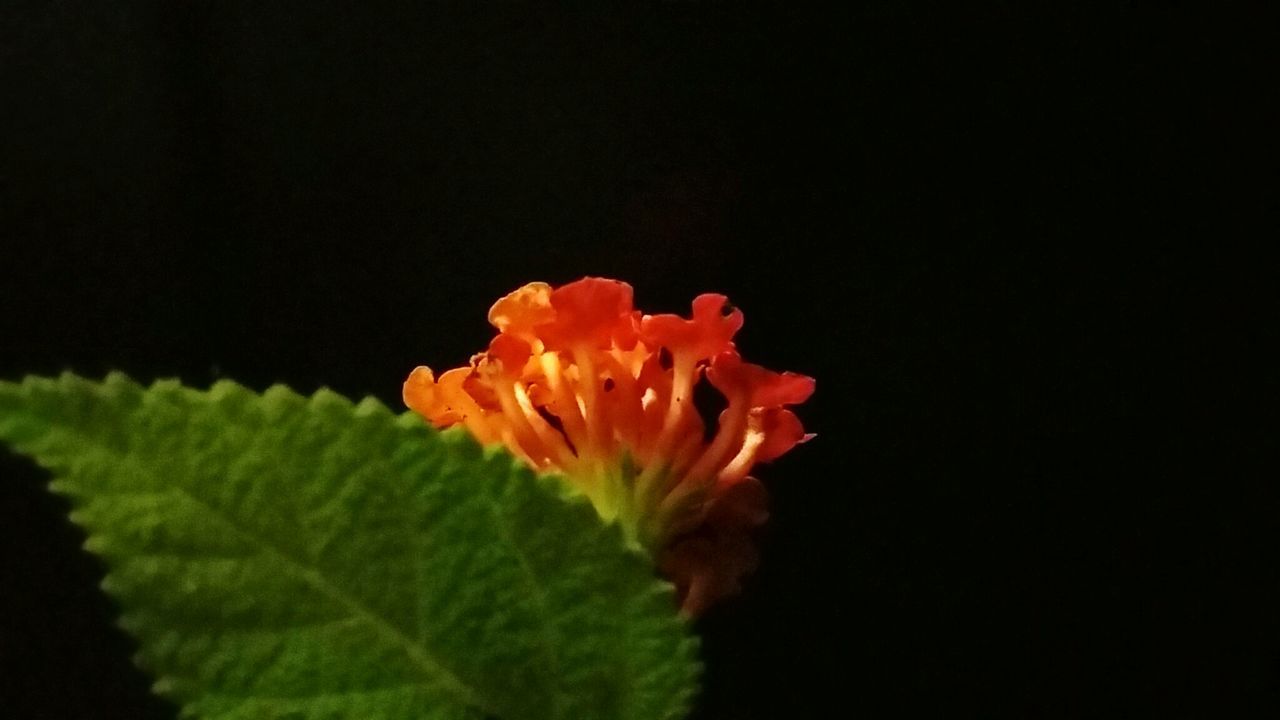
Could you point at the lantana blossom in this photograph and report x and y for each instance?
(579, 382)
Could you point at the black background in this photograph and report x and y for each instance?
(963, 222)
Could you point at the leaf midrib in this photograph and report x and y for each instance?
(421, 657)
(548, 635)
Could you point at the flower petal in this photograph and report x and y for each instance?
(709, 332)
(591, 312)
(422, 394)
(782, 431)
(764, 387)
(511, 354)
(523, 309)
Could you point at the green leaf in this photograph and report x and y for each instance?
(288, 557)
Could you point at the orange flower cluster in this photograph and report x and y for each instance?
(579, 382)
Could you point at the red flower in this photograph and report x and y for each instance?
(579, 382)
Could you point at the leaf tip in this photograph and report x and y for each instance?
(110, 585)
(119, 378)
(164, 686)
(224, 389)
(281, 398)
(327, 399)
(95, 544)
(370, 406)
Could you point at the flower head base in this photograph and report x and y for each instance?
(579, 382)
